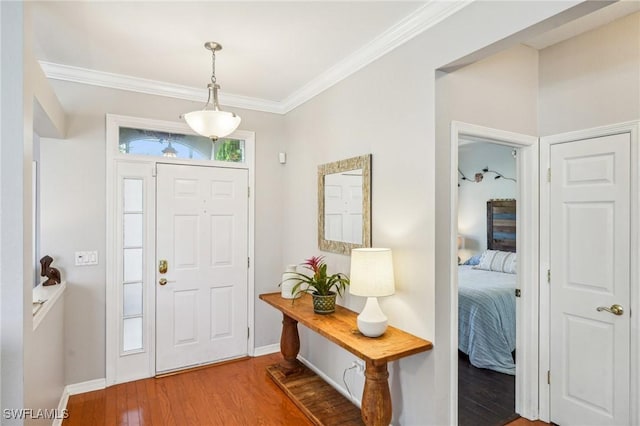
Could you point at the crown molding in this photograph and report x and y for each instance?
(422, 19)
(151, 87)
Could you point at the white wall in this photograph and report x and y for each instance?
(592, 79)
(473, 197)
(73, 211)
(23, 86)
(11, 209)
(498, 92)
(45, 362)
(44, 349)
(565, 87)
(388, 109)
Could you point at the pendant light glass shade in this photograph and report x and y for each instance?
(212, 124)
(211, 121)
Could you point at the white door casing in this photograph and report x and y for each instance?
(590, 267)
(201, 312)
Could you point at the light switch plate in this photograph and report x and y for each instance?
(86, 258)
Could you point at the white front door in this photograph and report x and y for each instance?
(590, 270)
(201, 310)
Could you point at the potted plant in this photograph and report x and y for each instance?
(323, 287)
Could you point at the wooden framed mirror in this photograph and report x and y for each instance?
(344, 205)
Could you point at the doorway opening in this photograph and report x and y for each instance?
(523, 261)
(487, 282)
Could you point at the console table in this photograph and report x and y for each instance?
(340, 328)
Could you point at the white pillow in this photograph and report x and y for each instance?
(498, 261)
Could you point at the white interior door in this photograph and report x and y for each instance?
(590, 268)
(202, 227)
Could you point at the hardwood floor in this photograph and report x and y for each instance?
(525, 422)
(485, 397)
(236, 393)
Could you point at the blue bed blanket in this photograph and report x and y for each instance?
(487, 318)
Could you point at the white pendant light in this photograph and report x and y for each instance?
(211, 121)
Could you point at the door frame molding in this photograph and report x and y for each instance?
(526, 398)
(633, 128)
(146, 368)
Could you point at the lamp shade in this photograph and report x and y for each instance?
(371, 272)
(461, 241)
(211, 123)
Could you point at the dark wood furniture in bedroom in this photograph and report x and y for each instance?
(501, 225)
(340, 327)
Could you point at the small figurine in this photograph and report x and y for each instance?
(52, 274)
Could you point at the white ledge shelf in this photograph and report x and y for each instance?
(44, 298)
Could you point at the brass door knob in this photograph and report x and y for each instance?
(163, 281)
(614, 309)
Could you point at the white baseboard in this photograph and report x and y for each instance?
(88, 386)
(62, 405)
(75, 389)
(266, 350)
(331, 382)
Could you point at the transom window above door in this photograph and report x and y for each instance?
(163, 144)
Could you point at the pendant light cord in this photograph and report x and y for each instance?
(213, 67)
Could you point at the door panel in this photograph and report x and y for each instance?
(583, 388)
(186, 229)
(202, 229)
(185, 305)
(590, 267)
(222, 246)
(221, 312)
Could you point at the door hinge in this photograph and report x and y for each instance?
(248, 192)
(548, 377)
(517, 292)
(248, 262)
(248, 332)
(549, 175)
(549, 276)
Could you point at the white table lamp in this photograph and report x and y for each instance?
(372, 277)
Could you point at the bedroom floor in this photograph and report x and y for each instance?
(485, 397)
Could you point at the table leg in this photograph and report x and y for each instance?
(376, 399)
(289, 345)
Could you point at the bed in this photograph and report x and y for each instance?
(487, 318)
(486, 296)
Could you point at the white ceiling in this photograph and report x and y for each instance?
(269, 49)
(276, 54)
